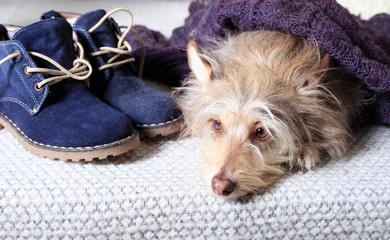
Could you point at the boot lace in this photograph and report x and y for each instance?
(81, 69)
(123, 47)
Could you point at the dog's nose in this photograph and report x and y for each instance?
(222, 186)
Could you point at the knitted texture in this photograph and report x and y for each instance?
(360, 47)
(154, 192)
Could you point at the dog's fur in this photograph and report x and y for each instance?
(263, 102)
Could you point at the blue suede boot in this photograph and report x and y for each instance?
(43, 104)
(114, 80)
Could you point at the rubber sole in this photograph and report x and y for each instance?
(74, 154)
(161, 129)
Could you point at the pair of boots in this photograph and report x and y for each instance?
(44, 101)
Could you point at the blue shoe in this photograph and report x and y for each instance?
(43, 105)
(114, 80)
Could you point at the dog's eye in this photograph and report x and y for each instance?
(261, 133)
(217, 125)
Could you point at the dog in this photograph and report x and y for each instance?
(263, 103)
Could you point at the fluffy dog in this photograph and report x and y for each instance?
(264, 102)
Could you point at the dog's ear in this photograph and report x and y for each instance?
(322, 68)
(199, 66)
(325, 62)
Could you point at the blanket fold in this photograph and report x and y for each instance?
(361, 48)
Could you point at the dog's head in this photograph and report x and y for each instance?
(257, 102)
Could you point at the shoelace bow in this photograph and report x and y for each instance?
(81, 69)
(123, 47)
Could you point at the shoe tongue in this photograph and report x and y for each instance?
(52, 38)
(104, 35)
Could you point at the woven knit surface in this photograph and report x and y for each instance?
(155, 192)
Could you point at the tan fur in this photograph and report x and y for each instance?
(270, 80)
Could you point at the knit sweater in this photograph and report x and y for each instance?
(361, 48)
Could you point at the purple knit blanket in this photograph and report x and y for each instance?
(362, 48)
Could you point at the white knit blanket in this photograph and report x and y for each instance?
(155, 192)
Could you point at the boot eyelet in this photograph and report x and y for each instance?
(19, 55)
(26, 70)
(37, 88)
